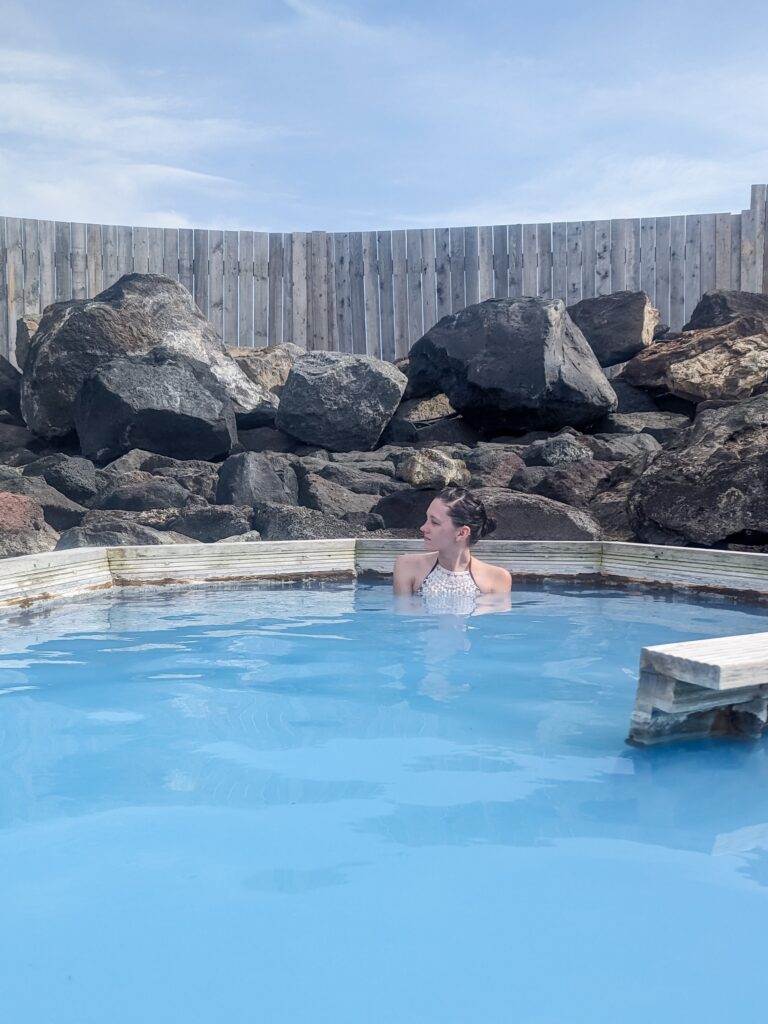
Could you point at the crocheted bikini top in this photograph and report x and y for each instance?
(439, 581)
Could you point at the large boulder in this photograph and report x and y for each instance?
(10, 389)
(283, 522)
(340, 402)
(137, 314)
(725, 362)
(117, 533)
(333, 499)
(59, 511)
(23, 529)
(73, 477)
(195, 475)
(532, 517)
(141, 491)
(159, 403)
(268, 367)
(664, 426)
(492, 465)
(712, 485)
(514, 364)
(574, 483)
(617, 326)
(431, 468)
(248, 478)
(213, 523)
(26, 329)
(721, 307)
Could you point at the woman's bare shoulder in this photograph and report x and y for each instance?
(494, 577)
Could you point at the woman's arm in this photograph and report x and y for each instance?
(402, 575)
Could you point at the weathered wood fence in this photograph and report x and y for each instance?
(376, 292)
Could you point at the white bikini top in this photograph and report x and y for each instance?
(439, 581)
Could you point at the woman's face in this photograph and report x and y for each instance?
(439, 530)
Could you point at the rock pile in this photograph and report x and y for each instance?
(131, 423)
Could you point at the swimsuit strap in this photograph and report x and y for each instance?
(434, 566)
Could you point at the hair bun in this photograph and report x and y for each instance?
(489, 526)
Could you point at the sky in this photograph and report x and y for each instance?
(348, 115)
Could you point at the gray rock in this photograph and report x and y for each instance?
(10, 389)
(137, 314)
(284, 522)
(268, 367)
(158, 403)
(154, 518)
(556, 451)
(118, 534)
(620, 447)
(59, 511)
(267, 439)
(339, 402)
(716, 308)
(492, 465)
(426, 420)
(575, 483)
(632, 399)
(360, 479)
(664, 426)
(13, 436)
(405, 509)
(195, 475)
(514, 365)
(140, 491)
(213, 523)
(431, 468)
(248, 478)
(333, 499)
(26, 329)
(241, 538)
(530, 517)
(617, 326)
(23, 529)
(73, 477)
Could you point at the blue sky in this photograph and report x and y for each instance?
(348, 114)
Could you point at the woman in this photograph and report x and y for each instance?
(455, 520)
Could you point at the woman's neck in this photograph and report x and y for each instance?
(455, 560)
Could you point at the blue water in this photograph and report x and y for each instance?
(291, 804)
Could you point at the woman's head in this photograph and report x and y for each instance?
(456, 516)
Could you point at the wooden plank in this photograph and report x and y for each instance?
(677, 273)
(443, 271)
(124, 250)
(5, 338)
(216, 281)
(357, 291)
(343, 291)
(79, 275)
(560, 260)
(62, 261)
(748, 230)
(428, 282)
(618, 256)
(515, 260)
(632, 263)
(736, 251)
(692, 263)
(471, 266)
(333, 327)
(245, 285)
(231, 281)
(187, 259)
(544, 254)
(723, 251)
(589, 260)
(458, 285)
(109, 254)
(386, 295)
(575, 255)
(708, 252)
(155, 250)
(275, 333)
(400, 292)
(31, 266)
(413, 278)
(663, 270)
(602, 257)
(14, 266)
(500, 261)
(171, 253)
(256, 295)
(94, 260)
(530, 260)
(758, 205)
(141, 250)
(200, 270)
(371, 283)
(318, 291)
(287, 287)
(648, 257)
(46, 240)
(485, 263)
(299, 325)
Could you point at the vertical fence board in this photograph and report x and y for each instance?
(299, 288)
(723, 251)
(386, 295)
(125, 250)
(589, 260)
(758, 205)
(648, 257)
(343, 292)
(736, 251)
(357, 291)
(62, 261)
(318, 294)
(632, 263)
(515, 260)
(413, 276)
(602, 257)
(200, 270)
(618, 255)
(259, 250)
(5, 334)
(677, 273)
(109, 254)
(663, 270)
(471, 267)
(171, 253)
(186, 259)
(458, 286)
(333, 327)
(428, 285)
(155, 239)
(94, 260)
(31, 256)
(275, 333)
(371, 283)
(560, 261)
(530, 261)
(692, 263)
(46, 242)
(230, 317)
(544, 259)
(287, 287)
(245, 288)
(485, 263)
(216, 281)
(141, 250)
(574, 246)
(79, 275)
(748, 250)
(443, 271)
(501, 242)
(400, 292)
(15, 272)
(708, 252)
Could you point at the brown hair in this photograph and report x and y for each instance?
(465, 509)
